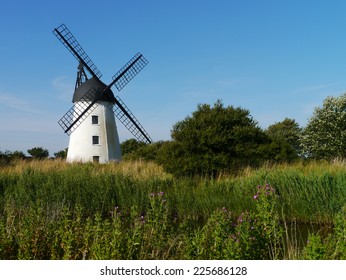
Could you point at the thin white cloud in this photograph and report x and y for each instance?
(63, 87)
(211, 89)
(317, 87)
(226, 83)
(30, 123)
(19, 104)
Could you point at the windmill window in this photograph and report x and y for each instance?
(96, 140)
(95, 119)
(96, 159)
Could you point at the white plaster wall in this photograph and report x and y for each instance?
(81, 147)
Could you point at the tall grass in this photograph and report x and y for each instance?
(312, 192)
(50, 209)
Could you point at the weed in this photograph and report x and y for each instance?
(54, 210)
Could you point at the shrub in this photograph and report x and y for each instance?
(324, 137)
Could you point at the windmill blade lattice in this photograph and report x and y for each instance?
(70, 42)
(123, 113)
(80, 111)
(129, 71)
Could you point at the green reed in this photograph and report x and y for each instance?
(133, 210)
(307, 193)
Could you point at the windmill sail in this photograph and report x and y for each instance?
(80, 111)
(123, 113)
(129, 71)
(70, 42)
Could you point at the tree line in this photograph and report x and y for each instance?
(221, 138)
(35, 153)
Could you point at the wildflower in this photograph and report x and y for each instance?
(160, 193)
(152, 194)
(224, 209)
(255, 196)
(233, 237)
(115, 213)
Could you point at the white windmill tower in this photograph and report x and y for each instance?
(90, 122)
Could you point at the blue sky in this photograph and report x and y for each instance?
(277, 59)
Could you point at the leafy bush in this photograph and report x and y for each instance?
(287, 131)
(324, 137)
(331, 247)
(217, 139)
(38, 153)
(61, 154)
(134, 150)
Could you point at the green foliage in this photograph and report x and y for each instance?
(4, 158)
(287, 131)
(38, 153)
(324, 137)
(8, 156)
(331, 247)
(212, 140)
(94, 211)
(224, 236)
(131, 146)
(315, 249)
(251, 235)
(61, 154)
(269, 219)
(134, 150)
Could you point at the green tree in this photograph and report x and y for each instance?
(214, 139)
(9, 156)
(17, 155)
(61, 154)
(4, 157)
(131, 146)
(287, 131)
(150, 152)
(38, 153)
(324, 137)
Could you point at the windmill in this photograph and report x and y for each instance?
(90, 122)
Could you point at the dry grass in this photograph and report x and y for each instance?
(135, 169)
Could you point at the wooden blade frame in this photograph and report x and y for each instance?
(129, 71)
(70, 42)
(79, 111)
(123, 113)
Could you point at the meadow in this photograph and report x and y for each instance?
(135, 210)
